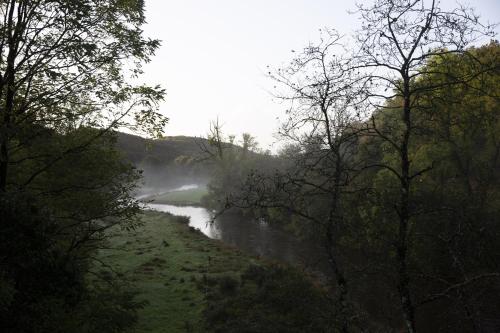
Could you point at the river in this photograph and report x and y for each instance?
(256, 237)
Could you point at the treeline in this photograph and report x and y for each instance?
(63, 93)
(51, 231)
(453, 249)
(231, 160)
(392, 162)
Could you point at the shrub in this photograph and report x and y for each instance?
(271, 299)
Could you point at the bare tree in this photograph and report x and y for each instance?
(397, 38)
(323, 123)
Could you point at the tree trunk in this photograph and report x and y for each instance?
(341, 283)
(8, 84)
(404, 215)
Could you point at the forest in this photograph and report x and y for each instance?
(385, 191)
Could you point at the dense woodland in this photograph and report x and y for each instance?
(64, 89)
(390, 160)
(403, 197)
(452, 241)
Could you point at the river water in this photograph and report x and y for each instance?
(256, 237)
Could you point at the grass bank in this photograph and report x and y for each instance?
(191, 197)
(191, 283)
(169, 264)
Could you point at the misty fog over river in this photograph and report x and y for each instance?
(255, 237)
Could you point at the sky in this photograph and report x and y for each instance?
(215, 53)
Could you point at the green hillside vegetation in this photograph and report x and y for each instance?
(171, 161)
(161, 151)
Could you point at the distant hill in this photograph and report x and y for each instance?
(138, 149)
(168, 162)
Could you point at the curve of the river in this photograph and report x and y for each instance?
(252, 236)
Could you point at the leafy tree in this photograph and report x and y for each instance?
(461, 192)
(397, 39)
(451, 241)
(233, 162)
(416, 173)
(65, 64)
(67, 73)
(43, 284)
(269, 299)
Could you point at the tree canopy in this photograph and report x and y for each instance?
(69, 73)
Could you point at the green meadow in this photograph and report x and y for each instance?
(170, 265)
(191, 197)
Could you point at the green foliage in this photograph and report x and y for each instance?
(82, 185)
(454, 226)
(453, 202)
(172, 279)
(44, 282)
(75, 62)
(234, 162)
(63, 90)
(52, 228)
(269, 299)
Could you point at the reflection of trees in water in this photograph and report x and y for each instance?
(260, 238)
(252, 236)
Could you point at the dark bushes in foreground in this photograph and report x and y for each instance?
(43, 286)
(269, 299)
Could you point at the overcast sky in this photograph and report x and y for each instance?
(214, 54)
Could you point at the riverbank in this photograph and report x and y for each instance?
(191, 283)
(184, 197)
(169, 264)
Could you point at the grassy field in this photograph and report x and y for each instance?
(185, 197)
(169, 263)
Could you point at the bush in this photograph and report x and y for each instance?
(42, 284)
(228, 285)
(271, 299)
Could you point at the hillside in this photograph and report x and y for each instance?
(167, 162)
(139, 150)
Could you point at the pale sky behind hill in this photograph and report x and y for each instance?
(214, 54)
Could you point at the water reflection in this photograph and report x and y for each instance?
(199, 217)
(256, 237)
